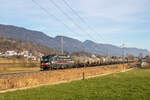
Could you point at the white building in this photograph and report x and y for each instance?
(10, 53)
(24, 53)
(93, 56)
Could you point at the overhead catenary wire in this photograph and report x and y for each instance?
(69, 18)
(81, 19)
(53, 16)
(60, 21)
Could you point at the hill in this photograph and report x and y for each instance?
(70, 44)
(109, 49)
(21, 45)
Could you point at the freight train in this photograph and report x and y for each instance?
(51, 62)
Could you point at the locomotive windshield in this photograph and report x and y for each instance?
(45, 59)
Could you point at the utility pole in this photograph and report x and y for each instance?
(62, 45)
(123, 56)
(109, 55)
(84, 64)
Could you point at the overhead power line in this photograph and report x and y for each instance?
(69, 18)
(53, 16)
(60, 9)
(81, 19)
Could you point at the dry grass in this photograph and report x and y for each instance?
(15, 61)
(51, 77)
(18, 69)
(13, 65)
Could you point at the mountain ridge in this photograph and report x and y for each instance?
(70, 44)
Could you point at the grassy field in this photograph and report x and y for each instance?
(132, 85)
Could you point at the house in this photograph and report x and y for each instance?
(10, 53)
(24, 53)
(93, 55)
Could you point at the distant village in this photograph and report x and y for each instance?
(36, 57)
(24, 54)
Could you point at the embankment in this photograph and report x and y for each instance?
(22, 80)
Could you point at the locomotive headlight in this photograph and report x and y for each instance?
(53, 62)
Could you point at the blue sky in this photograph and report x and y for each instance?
(115, 21)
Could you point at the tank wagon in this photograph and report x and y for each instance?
(63, 61)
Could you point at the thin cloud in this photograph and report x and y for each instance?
(122, 10)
